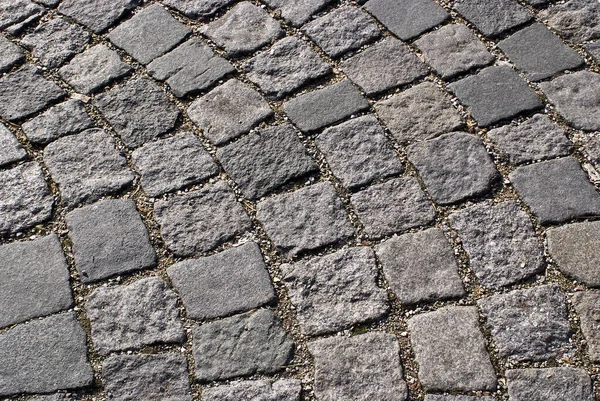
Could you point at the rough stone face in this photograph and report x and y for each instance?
(420, 267)
(306, 219)
(493, 17)
(450, 350)
(576, 20)
(53, 397)
(358, 368)
(63, 119)
(552, 384)
(229, 282)
(241, 345)
(10, 149)
(197, 8)
(592, 48)
(419, 113)
(265, 160)
(44, 356)
(258, 390)
(10, 54)
(587, 306)
(161, 377)
(16, 15)
(297, 12)
(432, 397)
(200, 221)
(99, 14)
(109, 238)
(229, 111)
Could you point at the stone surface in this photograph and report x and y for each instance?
(197, 8)
(258, 390)
(493, 17)
(10, 149)
(552, 384)
(10, 54)
(200, 221)
(450, 350)
(97, 15)
(229, 282)
(420, 267)
(432, 397)
(592, 48)
(587, 305)
(305, 220)
(229, 111)
(109, 238)
(359, 368)
(336, 291)
(16, 15)
(576, 20)
(63, 119)
(297, 12)
(265, 160)
(240, 345)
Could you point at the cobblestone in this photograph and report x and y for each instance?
(586, 304)
(258, 390)
(10, 54)
(494, 17)
(16, 15)
(10, 149)
(457, 398)
(197, 8)
(97, 15)
(61, 120)
(298, 12)
(552, 384)
(576, 20)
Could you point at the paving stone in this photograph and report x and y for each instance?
(49, 3)
(326, 106)
(161, 377)
(576, 98)
(25, 199)
(190, 68)
(306, 219)
(534, 139)
(593, 48)
(229, 111)
(149, 34)
(25, 92)
(450, 350)
(10, 149)
(16, 15)
(358, 152)
(454, 49)
(537, 3)
(286, 66)
(173, 163)
(44, 356)
(432, 397)
(133, 316)
(53, 397)
(575, 20)
(407, 18)
(420, 267)
(139, 111)
(556, 190)
(528, 325)
(587, 304)
(494, 94)
(109, 238)
(359, 368)
(10, 54)
(97, 15)
(551, 384)
(63, 119)
(35, 280)
(243, 29)
(500, 241)
(336, 291)
(419, 113)
(200, 221)
(258, 390)
(297, 13)
(385, 65)
(229, 282)
(266, 159)
(94, 69)
(56, 41)
(240, 345)
(493, 17)
(197, 8)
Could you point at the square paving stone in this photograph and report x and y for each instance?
(133, 316)
(266, 159)
(494, 94)
(139, 111)
(297, 13)
(63, 119)
(420, 267)
(255, 390)
(500, 241)
(358, 152)
(305, 220)
(229, 282)
(493, 17)
(10, 149)
(454, 167)
(454, 49)
(25, 199)
(241, 345)
(575, 20)
(288, 65)
(393, 206)
(556, 190)
(149, 34)
(326, 106)
(419, 113)
(336, 291)
(197, 9)
(450, 350)
(16, 15)
(160, 377)
(385, 65)
(528, 325)
(86, 167)
(25, 92)
(10, 54)
(229, 111)
(243, 29)
(109, 238)
(44, 356)
(35, 280)
(432, 397)
(407, 18)
(359, 368)
(551, 384)
(189, 68)
(97, 15)
(587, 305)
(200, 221)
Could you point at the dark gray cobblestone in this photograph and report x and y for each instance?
(258, 390)
(197, 8)
(63, 119)
(297, 12)
(552, 384)
(493, 17)
(10, 54)
(96, 15)
(10, 149)
(576, 20)
(587, 305)
(16, 15)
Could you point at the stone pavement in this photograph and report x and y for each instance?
(277, 200)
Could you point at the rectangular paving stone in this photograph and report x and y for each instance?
(197, 8)
(297, 13)
(97, 15)
(64, 119)
(551, 384)
(587, 305)
(432, 397)
(16, 15)
(493, 17)
(10, 54)
(575, 20)
(10, 149)
(255, 390)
